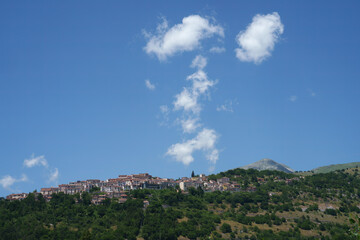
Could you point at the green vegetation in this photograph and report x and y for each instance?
(334, 167)
(225, 228)
(272, 205)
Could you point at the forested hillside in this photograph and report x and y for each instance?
(279, 206)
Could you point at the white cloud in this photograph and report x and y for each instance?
(190, 125)
(226, 107)
(41, 161)
(23, 178)
(7, 181)
(258, 41)
(36, 161)
(204, 141)
(213, 156)
(187, 101)
(164, 109)
(185, 36)
(54, 176)
(149, 85)
(199, 62)
(201, 83)
(188, 98)
(293, 98)
(217, 49)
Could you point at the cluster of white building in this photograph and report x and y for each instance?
(117, 187)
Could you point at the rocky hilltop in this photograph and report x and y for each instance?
(268, 164)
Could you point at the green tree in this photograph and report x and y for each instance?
(225, 228)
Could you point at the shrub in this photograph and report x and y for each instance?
(331, 212)
(225, 228)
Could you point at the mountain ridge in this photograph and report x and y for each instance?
(269, 164)
(334, 167)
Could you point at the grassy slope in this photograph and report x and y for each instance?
(335, 167)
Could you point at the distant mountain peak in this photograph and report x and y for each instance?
(268, 164)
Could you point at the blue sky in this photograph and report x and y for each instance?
(93, 90)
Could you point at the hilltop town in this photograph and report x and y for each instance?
(118, 187)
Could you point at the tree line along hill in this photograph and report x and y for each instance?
(318, 206)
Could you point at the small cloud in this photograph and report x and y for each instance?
(217, 49)
(199, 62)
(7, 181)
(204, 141)
(36, 161)
(226, 107)
(211, 169)
(188, 98)
(293, 98)
(257, 42)
(213, 156)
(312, 93)
(164, 109)
(41, 161)
(23, 178)
(200, 81)
(54, 176)
(190, 125)
(182, 37)
(187, 101)
(149, 85)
